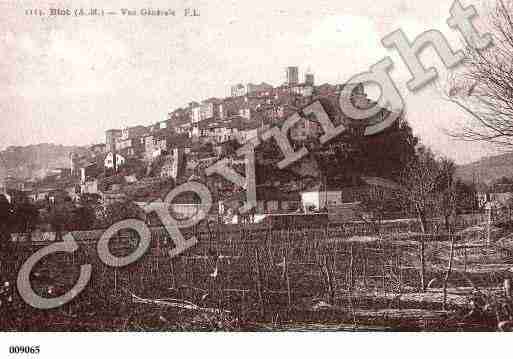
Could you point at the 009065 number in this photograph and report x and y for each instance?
(24, 349)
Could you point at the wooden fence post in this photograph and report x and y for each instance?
(399, 267)
(351, 268)
(422, 266)
(465, 258)
(489, 226)
(259, 284)
(448, 273)
(507, 288)
(328, 278)
(172, 269)
(287, 278)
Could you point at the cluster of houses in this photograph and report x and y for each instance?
(194, 137)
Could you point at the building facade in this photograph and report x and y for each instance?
(291, 75)
(109, 160)
(238, 90)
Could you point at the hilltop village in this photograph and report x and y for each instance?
(140, 164)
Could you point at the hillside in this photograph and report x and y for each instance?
(33, 160)
(487, 169)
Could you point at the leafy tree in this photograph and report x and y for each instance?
(60, 217)
(385, 154)
(25, 217)
(82, 218)
(133, 166)
(90, 199)
(154, 189)
(352, 154)
(119, 211)
(6, 212)
(229, 147)
(503, 180)
(19, 215)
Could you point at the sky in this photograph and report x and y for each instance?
(66, 80)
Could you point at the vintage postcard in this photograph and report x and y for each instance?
(236, 166)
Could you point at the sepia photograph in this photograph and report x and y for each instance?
(287, 172)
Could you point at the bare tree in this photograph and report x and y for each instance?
(378, 203)
(419, 183)
(447, 195)
(428, 186)
(484, 89)
(419, 193)
(447, 205)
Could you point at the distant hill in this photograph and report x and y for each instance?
(34, 160)
(487, 169)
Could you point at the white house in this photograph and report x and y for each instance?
(196, 114)
(316, 199)
(109, 160)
